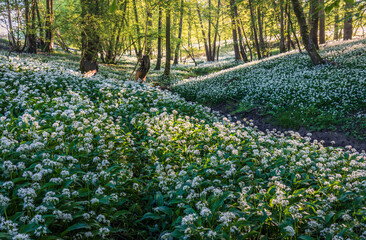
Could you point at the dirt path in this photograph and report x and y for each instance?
(341, 139)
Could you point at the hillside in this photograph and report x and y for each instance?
(289, 92)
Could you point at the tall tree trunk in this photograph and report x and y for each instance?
(314, 20)
(347, 29)
(293, 29)
(282, 31)
(289, 42)
(32, 47)
(246, 40)
(254, 29)
(321, 22)
(137, 29)
(179, 33)
(241, 40)
(203, 32)
(260, 29)
(160, 26)
(209, 31)
(216, 31)
(168, 47)
(308, 43)
(11, 30)
(336, 27)
(149, 30)
(40, 27)
(233, 25)
(49, 26)
(89, 36)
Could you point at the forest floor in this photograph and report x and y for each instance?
(286, 93)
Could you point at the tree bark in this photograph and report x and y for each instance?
(308, 43)
(32, 47)
(160, 26)
(203, 33)
(176, 57)
(293, 30)
(49, 26)
(321, 22)
(314, 21)
(282, 31)
(336, 27)
(89, 36)
(168, 47)
(11, 30)
(241, 40)
(347, 29)
(138, 51)
(260, 29)
(213, 54)
(233, 25)
(254, 30)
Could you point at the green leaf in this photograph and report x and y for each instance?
(76, 227)
(304, 237)
(113, 6)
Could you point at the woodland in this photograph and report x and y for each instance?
(183, 119)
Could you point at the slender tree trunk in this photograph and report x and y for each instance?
(293, 29)
(241, 40)
(308, 43)
(49, 26)
(40, 27)
(32, 47)
(168, 47)
(234, 29)
(216, 30)
(254, 30)
(149, 31)
(137, 29)
(209, 31)
(336, 28)
(11, 30)
(246, 40)
(282, 31)
(314, 20)
(260, 28)
(89, 36)
(179, 33)
(203, 33)
(289, 42)
(160, 26)
(347, 29)
(321, 22)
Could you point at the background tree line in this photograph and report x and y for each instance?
(103, 30)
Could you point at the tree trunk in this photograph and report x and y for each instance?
(11, 30)
(336, 28)
(254, 30)
(203, 33)
(137, 28)
(160, 26)
(179, 33)
(293, 30)
(282, 31)
(168, 47)
(289, 42)
(314, 20)
(347, 29)
(89, 36)
(308, 43)
(260, 28)
(233, 25)
(209, 31)
(149, 30)
(321, 22)
(213, 54)
(241, 40)
(32, 47)
(40, 27)
(49, 26)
